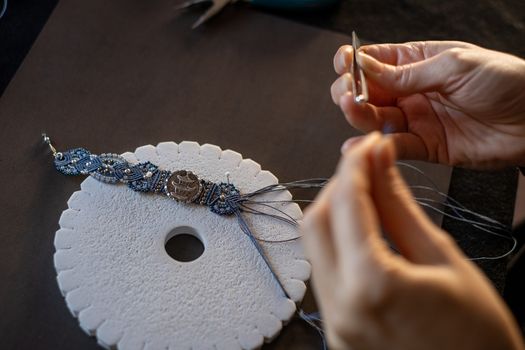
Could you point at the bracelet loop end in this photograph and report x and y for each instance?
(47, 140)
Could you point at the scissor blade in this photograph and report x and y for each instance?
(212, 11)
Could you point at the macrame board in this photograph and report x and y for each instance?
(124, 288)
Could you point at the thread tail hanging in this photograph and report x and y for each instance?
(246, 229)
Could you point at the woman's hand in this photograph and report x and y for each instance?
(427, 297)
(447, 102)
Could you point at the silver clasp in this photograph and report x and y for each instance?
(48, 141)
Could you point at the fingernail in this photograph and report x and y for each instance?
(347, 144)
(374, 135)
(351, 142)
(369, 64)
(380, 146)
(343, 58)
(377, 137)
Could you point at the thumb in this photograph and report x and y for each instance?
(405, 223)
(432, 74)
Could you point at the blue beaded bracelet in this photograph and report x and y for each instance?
(181, 185)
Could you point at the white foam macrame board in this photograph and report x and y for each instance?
(118, 279)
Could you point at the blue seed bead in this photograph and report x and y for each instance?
(88, 164)
(106, 172)
(65, 162)
(141, 176)
(223, 199)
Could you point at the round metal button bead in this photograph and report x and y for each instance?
(183, 186)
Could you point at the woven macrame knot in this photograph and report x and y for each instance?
(223, 199)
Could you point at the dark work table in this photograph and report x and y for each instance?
(33, 321)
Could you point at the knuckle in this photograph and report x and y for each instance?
(417, 49)
(421, 48)
(455, 53)
(403, 75)
(462, 58)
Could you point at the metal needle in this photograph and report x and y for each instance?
(359, 86)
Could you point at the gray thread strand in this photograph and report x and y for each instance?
(480, 222)
(246, 229)
(4, 8)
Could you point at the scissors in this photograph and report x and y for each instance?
(218, 5)
(359, 86)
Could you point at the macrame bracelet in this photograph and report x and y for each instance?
(181, 185)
